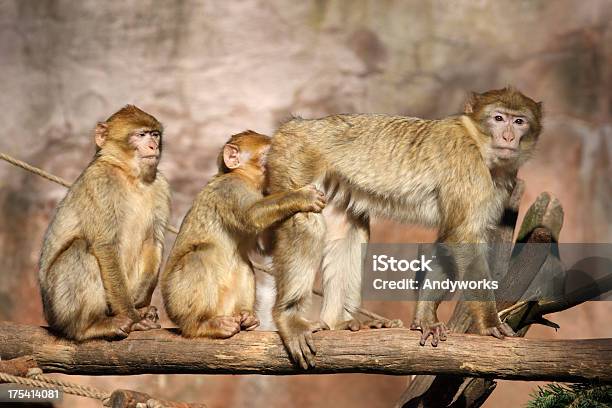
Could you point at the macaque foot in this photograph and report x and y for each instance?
(120, 327)
(319, 326)
(438, 332)
(108, 327)
(297, 337)
(222, 327)
(247, 320)
(352, 325)
(500, 331)
(382, 323)
(356, 324)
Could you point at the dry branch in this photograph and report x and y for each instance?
(384, 351)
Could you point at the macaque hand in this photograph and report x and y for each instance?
(437, 330)
(148, 319)
(500, 331)
(149, 312)
(313, 199)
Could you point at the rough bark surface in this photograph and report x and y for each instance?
(384, 351)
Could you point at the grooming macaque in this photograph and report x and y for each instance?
(453, 174)
(208, 283)
(102, 251)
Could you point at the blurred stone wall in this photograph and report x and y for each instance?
(208, 69)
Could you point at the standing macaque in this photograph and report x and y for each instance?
(102, 251)
(208, 283)
(453, 174)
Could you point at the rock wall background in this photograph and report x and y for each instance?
(208, 69)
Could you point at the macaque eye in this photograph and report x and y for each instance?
(519, 121)
(499, 118)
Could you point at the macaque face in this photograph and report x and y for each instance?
(507, 128)
(147, 145)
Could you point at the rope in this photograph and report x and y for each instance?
(51, 177)
(36, 379)
(37, 374)
(35, 170)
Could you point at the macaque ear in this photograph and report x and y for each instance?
(100, 134)
(470, 103)
(231, 156)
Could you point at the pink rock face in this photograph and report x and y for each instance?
(208, 70)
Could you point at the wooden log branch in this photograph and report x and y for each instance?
(545, 212)
(383, 351)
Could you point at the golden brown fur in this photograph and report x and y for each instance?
(453, 174)
(208, 284)
(102, 250)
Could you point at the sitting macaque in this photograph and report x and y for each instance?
(102, 251)
(208, 284)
